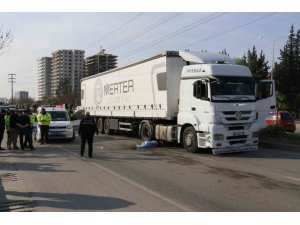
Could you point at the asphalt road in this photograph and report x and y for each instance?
(122, 178)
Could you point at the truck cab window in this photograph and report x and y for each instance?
(264, 90)
(200, 90)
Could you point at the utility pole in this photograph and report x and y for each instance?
(12, 80)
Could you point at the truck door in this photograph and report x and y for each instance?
(265, 100)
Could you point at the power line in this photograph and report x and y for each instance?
(115, 30)
(144, 31)
(230, 30)
(177, 32)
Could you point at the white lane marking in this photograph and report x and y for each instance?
(132, 182)
(293, 178)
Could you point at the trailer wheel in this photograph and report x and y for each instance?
(146, 131)
(100, 126)
(189, 140)
(106, 127)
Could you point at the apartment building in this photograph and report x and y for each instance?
(99, 63)
(21, 95)
(44, 77)
(67, 65)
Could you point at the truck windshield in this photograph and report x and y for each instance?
(232, 86)
(59, 116)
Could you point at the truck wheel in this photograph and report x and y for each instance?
(106, 127)
(100, 125)
(146, 131)
(189, 140)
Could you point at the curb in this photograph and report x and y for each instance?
(280, 146)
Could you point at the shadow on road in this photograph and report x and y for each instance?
(266, 154)
(37, 167)
(74, 201)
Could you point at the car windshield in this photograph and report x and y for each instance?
(231, 85)
(59, 115)
(286, 116)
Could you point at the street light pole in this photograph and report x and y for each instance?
(273, 54)
(272, 69)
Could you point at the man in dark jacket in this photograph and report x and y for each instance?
(2, 127)
(24, 129)
(87, 129)
(13, 130)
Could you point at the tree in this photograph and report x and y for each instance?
(64, 87)
(5, 40)
(257, 65)
(287, 73)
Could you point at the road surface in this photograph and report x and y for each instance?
(55, 177)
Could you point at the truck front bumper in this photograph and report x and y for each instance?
(245, 148)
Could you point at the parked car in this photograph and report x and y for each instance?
(76, 118)
(60, 126)
(285, 119)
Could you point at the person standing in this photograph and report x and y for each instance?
(13, 127)
(2, 127)
(87, 130)
(23, 128)
(44, 120)
(28, 138)
(7, 119)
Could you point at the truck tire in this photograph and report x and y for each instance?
(146, 131)
(100, 126)
(106, 127)
(189, 139)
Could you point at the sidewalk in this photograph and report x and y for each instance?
(11, 182)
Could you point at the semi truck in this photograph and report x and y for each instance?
(200, 99)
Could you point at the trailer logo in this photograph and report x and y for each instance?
(98, 92)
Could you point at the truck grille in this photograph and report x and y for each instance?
(237, 142)
(58, 127)
(231, 115)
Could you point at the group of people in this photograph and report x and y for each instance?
(17, 124)
(20, 124)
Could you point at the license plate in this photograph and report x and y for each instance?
(56, 134)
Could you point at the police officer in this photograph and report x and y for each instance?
(87, 129)
(44, 120)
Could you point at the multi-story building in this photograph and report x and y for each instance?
(44, 77)
(67, 69)
(99, 63)
(21, 95)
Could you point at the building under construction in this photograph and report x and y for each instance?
(99, 63)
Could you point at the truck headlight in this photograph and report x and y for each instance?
(218, 137)
(255, 134)
(69, 127)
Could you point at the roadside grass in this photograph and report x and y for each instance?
(275, 134)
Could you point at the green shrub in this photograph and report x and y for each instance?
(272, 131)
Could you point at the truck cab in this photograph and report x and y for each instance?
(221, 106)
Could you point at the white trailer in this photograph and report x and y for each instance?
(201, 100)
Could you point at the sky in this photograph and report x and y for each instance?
(38, 34)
